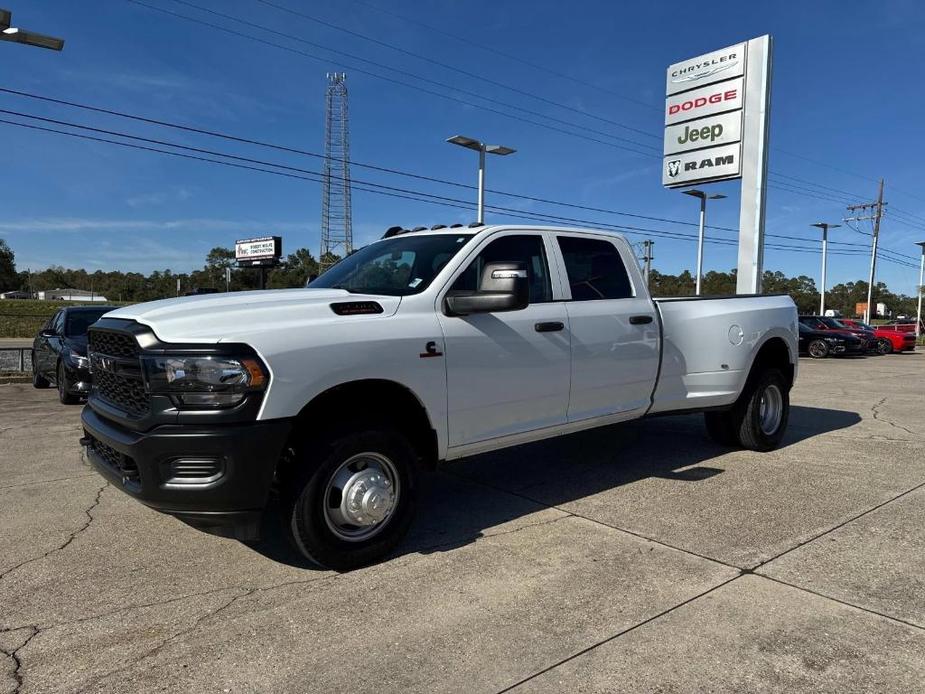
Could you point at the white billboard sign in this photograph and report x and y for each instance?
(716, 163)
(712, 131)
(705, 101)
(706, 69)
(262, 248)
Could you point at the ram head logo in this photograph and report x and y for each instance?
(674, 167)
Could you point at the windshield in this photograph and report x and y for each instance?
(395, 267)
(78, 321)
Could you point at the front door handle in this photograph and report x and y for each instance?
(549, 327)
(640, 320)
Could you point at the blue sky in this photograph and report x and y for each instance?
(846, 96)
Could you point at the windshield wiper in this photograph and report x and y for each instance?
(346, 289)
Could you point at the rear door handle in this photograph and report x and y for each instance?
(640, 320)
(549, 327)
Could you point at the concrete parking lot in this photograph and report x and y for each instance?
(640, 557)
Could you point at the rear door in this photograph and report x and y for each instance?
(507, 372)
(614, 327)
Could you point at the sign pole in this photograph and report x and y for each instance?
(754, 165)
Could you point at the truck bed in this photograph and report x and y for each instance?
(709, 343)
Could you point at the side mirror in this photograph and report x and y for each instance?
(502, 287)
(47, 332)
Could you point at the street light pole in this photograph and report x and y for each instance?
(825, 248)
(918, 315)
(703, 222)
(30, 38)
(481, 207)
(482, 149)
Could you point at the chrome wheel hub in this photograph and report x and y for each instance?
(361, 496)
(367, 498)
(770, 409)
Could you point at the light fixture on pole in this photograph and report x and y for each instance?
(30, 38)
(918, 315)
(703, 220)
(481, 148)
(825, 245)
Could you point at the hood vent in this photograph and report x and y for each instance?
(356, 308)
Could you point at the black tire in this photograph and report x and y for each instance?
(742, 424)
(753, 429)
(64, 387)
(818, 349)
(38, 381)
(884, 346)
(721, 428)
(307, 511)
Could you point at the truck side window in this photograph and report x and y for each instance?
(595, 269)
(59, 323)
(528, 249)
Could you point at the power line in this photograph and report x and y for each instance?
(354, 68)
(251, 25)
(293, 150)
(251, 160)
(446, 66)
(469, 42)
(417, 196)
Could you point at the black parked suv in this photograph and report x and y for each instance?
(59, 352)
(822, 343)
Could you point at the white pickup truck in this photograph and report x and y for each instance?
(425, 346)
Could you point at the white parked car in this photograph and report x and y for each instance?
(422, 347)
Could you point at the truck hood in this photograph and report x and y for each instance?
(232, 316)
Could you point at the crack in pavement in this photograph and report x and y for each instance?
(875, 411)
(14, 654)
(57, 479)
(69, 540)
(167, 601)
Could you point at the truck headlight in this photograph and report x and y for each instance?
(204, 381)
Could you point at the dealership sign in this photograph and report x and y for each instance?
(261, 251)
(703, 118)
(717, 117)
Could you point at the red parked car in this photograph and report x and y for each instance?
(888, 338)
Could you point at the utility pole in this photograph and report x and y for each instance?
(918, 314)
(876, 213)
(648, 258)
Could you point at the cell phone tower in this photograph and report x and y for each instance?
(336, 216)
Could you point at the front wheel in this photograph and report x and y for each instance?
(818, 349)
(38, 381)
(64, 388)
(884, 346)
(351, 503)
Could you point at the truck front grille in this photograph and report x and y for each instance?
(116, 370)
(113, 344)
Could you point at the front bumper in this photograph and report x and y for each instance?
(214, 477)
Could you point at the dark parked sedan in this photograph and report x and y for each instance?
(823, 343)
(59, 352)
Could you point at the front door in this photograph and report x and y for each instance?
(507, 372)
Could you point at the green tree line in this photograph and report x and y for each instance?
(296, 268)
(842, 297)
